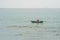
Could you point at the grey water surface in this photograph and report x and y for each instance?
(15, 24)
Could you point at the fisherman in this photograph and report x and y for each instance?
(37, 20)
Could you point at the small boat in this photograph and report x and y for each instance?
(37, 22)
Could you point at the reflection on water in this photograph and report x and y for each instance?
(16, 25)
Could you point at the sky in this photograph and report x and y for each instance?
(29, 3)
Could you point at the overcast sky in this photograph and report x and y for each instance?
(29, 3)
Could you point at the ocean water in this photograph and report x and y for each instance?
(15, 24)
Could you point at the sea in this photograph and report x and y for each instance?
(15, 24)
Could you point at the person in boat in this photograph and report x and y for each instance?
(37, 21)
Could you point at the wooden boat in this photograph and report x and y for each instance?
(37, 22)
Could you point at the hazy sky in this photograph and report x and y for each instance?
(29, 3)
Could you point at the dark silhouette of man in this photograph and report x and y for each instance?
(37, 20)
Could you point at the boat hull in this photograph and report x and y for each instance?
(37, 22)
